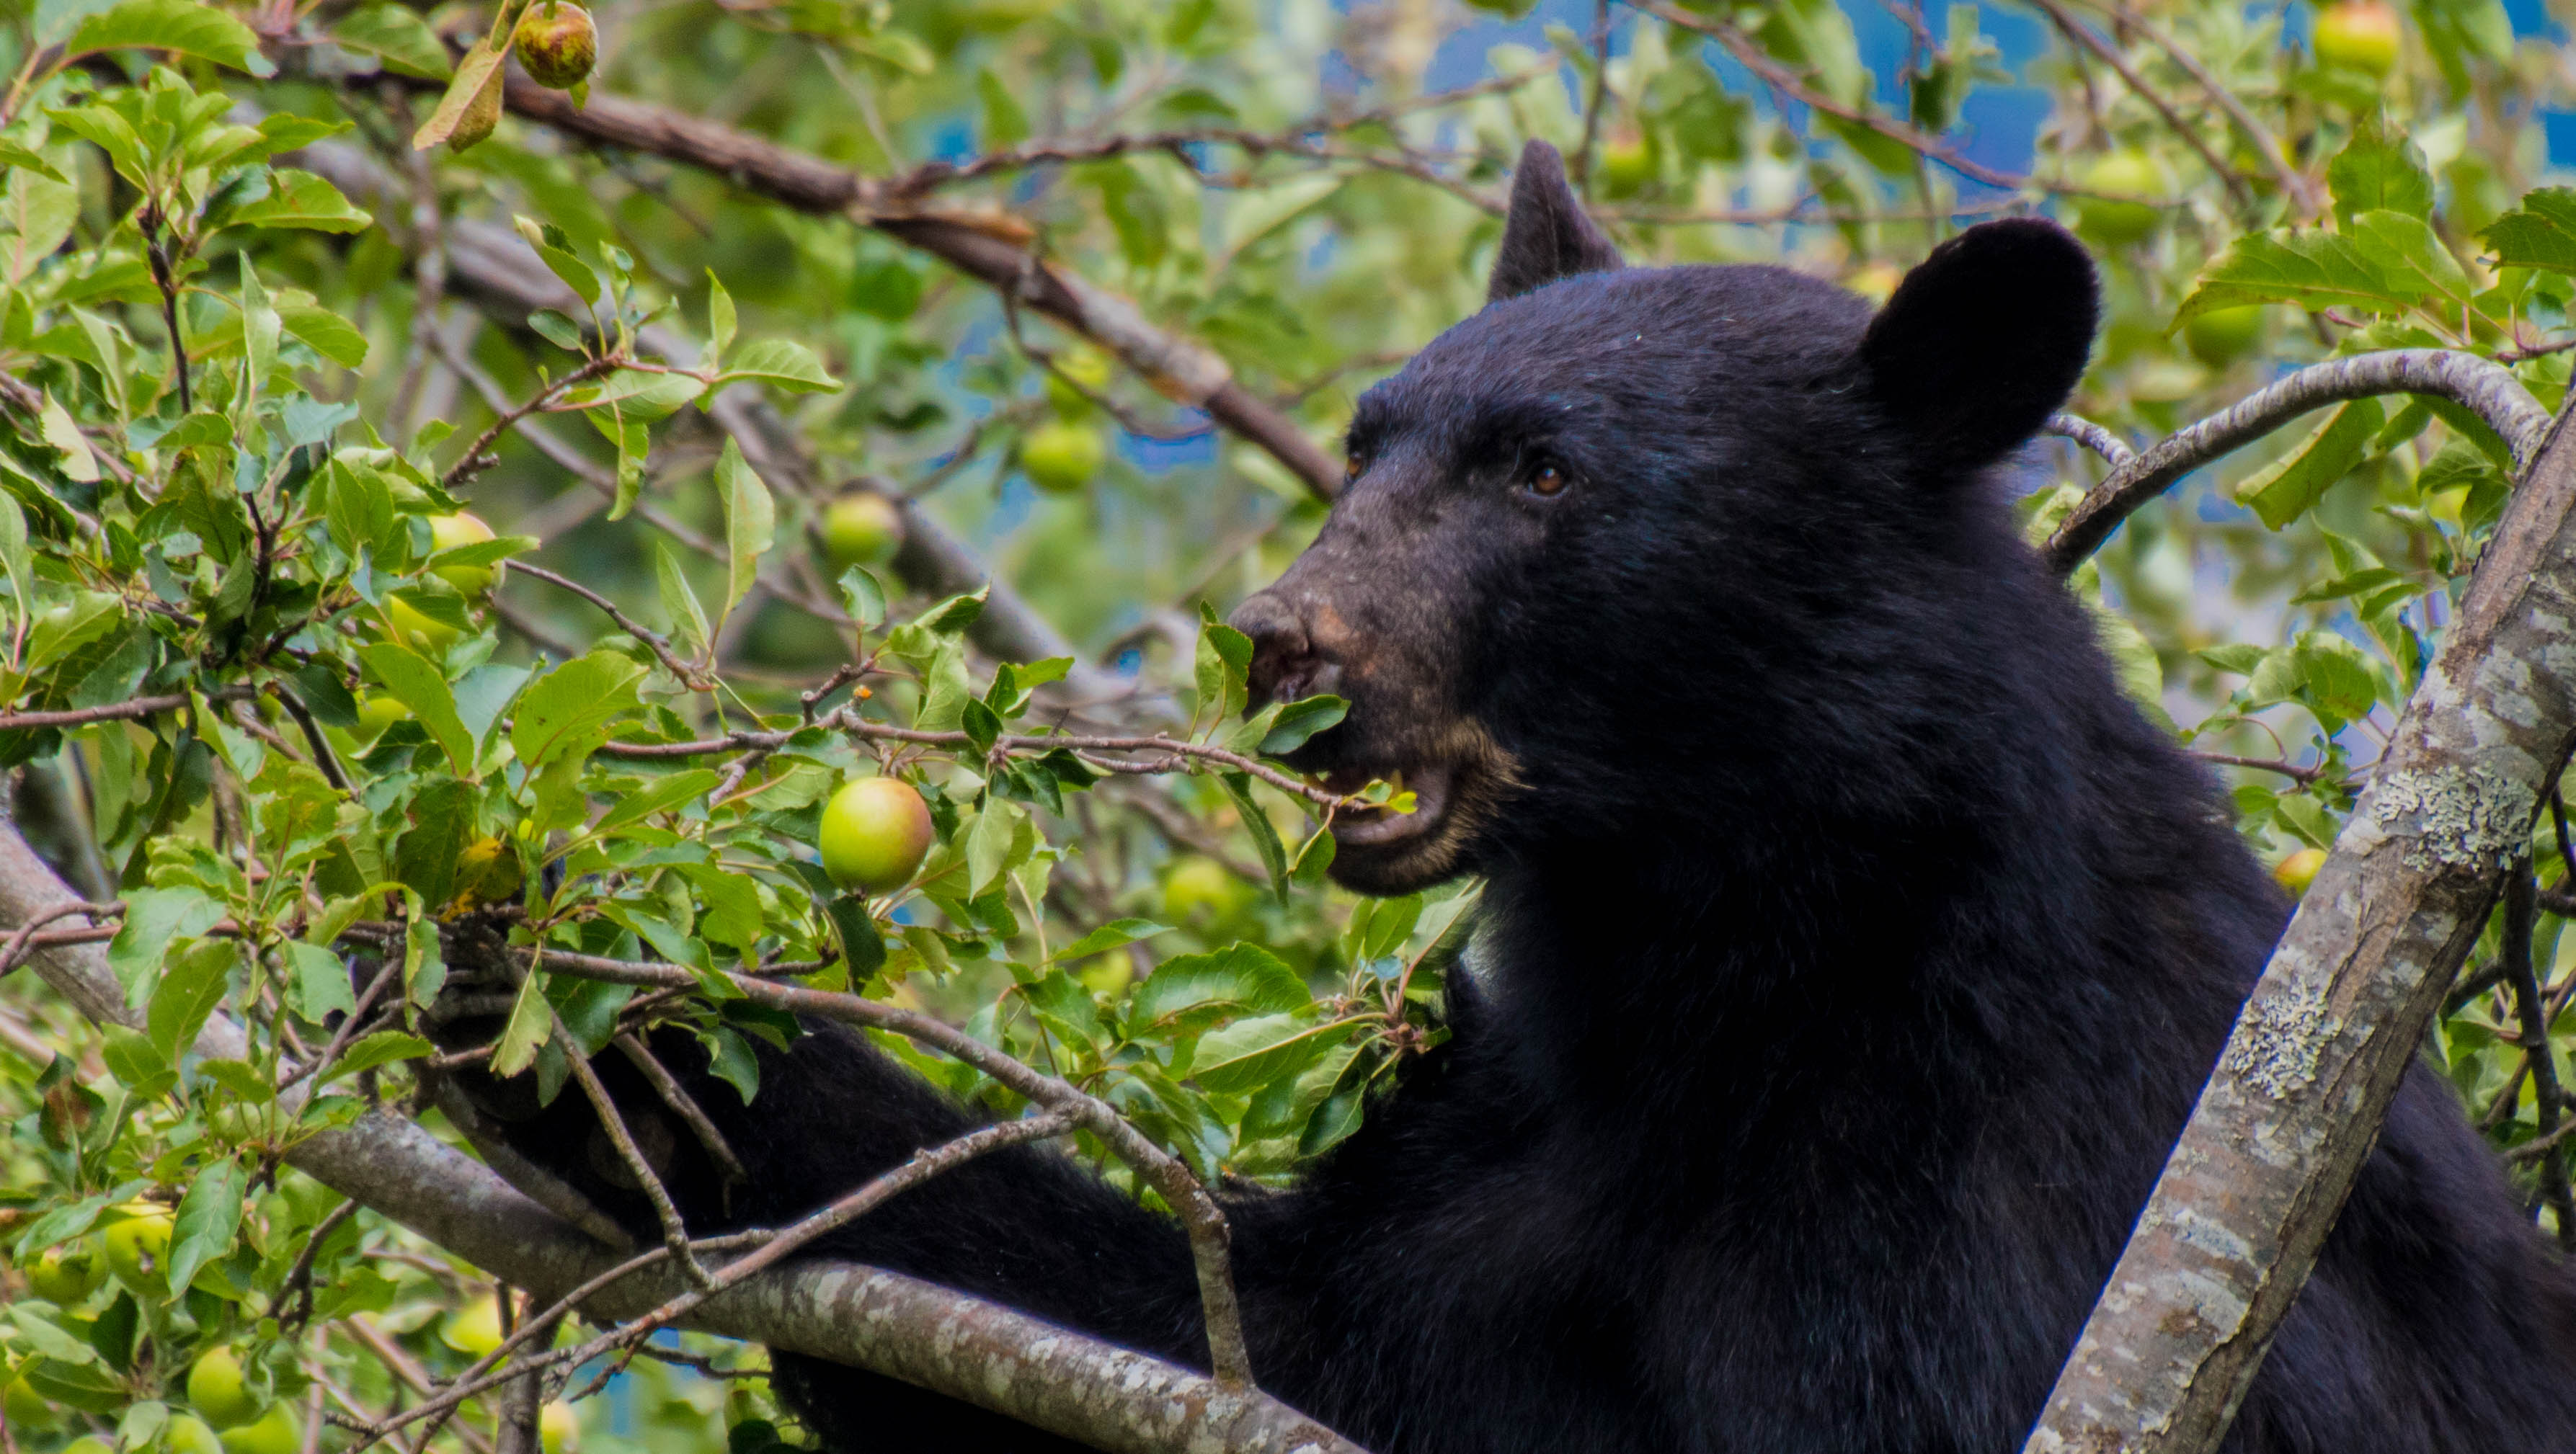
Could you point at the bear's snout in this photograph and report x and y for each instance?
(1286, 662)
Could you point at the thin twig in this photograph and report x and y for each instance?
(473, 462)
(684, 1105)
(18, 942)
(2083, 35)
(2546, 1103)
(675, 1233)
(660, 648)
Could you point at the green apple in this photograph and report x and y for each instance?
(474, 1329)
(2121, 223)
(216, 1390)
(417, 631)
(875, 833)
(2361, 35)
(188, 1434)
(68, 1273)
(862, 528)
(1626, 167)
(558, 1428)
(2299, 870)
(1061, 458)
(273, 1433)
(89, 1444)
(2221, 336)
(138, 1245)
(379, 711)
(1200, 890)
(447, 532)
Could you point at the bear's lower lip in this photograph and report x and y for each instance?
(1377, 827)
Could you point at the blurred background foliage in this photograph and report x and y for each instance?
(1311, 190)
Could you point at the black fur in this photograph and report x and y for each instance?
(1853, 949)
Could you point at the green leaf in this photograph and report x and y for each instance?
(679, 599)
(209, 1216)
(317, 982)
(187, 994)
(571, 703)
(2316, 270)
(299, 199)
(442, 819)
(634, 441)
(781, 362)
(1116, 934)
(2380, 170)
(177, 25)
(2540, 234)
(1006, 123)
(481, 63)
(1265, 839)
(1222, 669)
(2290, 486)
(396, 35)
(531, 1021)
(552, 248)
(420, 686)
(720, 320)
(663, 793)
(331, 335)
(36, 215)
(751, 523)
(1299, 721)
(1243, 1057)
(382, 1048)
(1239, 977)
(154, 920)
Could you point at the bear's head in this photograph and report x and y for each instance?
(1631, 547)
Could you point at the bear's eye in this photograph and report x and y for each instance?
(1549, 479)
(1350, 469)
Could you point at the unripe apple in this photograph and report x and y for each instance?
(862, 528)
(2221, 336)
(556, 43)
(2299, 870)
(1200, 890)
(138, 1245)
(216, 1390)
(69, 1273)
(446, 532)
(474, 1329)
(379, 711)
(274, 1433)
(1061, 458)
(488, 872)
(1627, 167)
(875, 833)
(89, 1444)
(2360, 36)
(558, 1428)
(2117, 223)
(419, 632)
(188, 1434)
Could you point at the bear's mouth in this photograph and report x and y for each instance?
(1362, 825)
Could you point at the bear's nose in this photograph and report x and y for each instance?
(1285, 664)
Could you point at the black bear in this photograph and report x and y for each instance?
(1851, 955)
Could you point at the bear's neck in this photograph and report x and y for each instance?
(1890, 964)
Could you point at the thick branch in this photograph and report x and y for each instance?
(2294, 1106)
(974, 1351)
(2484, 389)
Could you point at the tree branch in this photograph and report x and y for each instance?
(2294, 1106)
(964, 1348)
(2483, 388)
(2083, 35)
(989, 247)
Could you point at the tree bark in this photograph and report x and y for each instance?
(2296, 1101)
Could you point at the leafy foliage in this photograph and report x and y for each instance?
(324, 746)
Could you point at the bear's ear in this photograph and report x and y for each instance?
(1545, 235)
(1983, 341)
